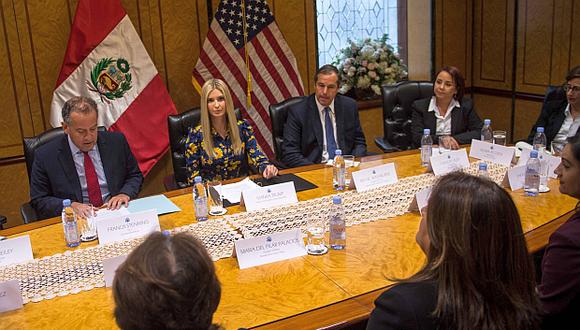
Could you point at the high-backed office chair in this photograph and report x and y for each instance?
(178, 130)
(278, 115)
(397, 112)
(2, 221)
(30, 145)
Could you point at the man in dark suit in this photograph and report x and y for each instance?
(85, 166)
(322, 123)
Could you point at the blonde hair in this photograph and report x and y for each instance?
(232, 121)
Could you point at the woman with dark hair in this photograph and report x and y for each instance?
(167, 282)
(478, 273)
(560, 285)
(447, 114)
(222, 147)
(560, 114)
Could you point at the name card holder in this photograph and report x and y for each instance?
(266, 249)
(490, 152)
(15, 250)
(553, 161)
(269, 196)
(420, 200)
(449, 162)
(134, 225)
(110, 265)
(515, 178)
(374, 177)
(10, 296)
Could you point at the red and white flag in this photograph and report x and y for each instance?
(259, 69)
(105, 60)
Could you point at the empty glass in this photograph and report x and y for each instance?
(557, 148)
(349, 168)
(316, 240)
(88, 225)
(444, 145)
(215, 197)
(500, 137)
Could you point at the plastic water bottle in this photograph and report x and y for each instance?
(337, 224)
(482, 172)
(426, 147)
(532, 181)
(199, 199)
(69, 224)
(486, 131)
(338, 171)
(540, 140)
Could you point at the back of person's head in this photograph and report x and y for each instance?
(167, 282)
(478, 256)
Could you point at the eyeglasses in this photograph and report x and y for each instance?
(571, 88)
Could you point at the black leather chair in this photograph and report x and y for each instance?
(178, 130)
(2, 221)
(397, 112)
(278, 115)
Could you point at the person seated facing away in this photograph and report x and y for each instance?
(559, 288)
(167, 282)
(447, 113)
(560, 117)
(323, 122)
(221, 147)
(478, 273)
(85, 165)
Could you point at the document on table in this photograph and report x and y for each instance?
(159, 202)
(233, 191)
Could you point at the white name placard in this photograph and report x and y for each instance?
(10, 296)
(490, 152)
(375, 177)
(420, 200)
(15, 250)
(110, 265)
(270, 196)
(120, 228)
(515, 177)
(449, 162)
(262, 250)
(553, 161)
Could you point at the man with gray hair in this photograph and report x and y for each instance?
(85, 166)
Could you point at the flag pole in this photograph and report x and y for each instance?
(247, 58)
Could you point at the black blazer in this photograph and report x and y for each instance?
(54, 176)
(405, 306)
(465, 123)
(551, 118)
(303, 140)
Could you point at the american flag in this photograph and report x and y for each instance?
(261, 64)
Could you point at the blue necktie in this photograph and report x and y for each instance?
(330, 142)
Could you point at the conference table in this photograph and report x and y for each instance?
(333, 290)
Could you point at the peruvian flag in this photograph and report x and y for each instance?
(105, 60)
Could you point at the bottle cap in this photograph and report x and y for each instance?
(482, 166)
(336, 200)
(197, 179)
(66, 202)
(487, 122)
(338, 152)
(426, 131)
(534, 154)
(540, 129)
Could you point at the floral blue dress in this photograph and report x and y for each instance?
(226, 165)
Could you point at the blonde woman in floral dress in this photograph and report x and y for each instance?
(222, 147)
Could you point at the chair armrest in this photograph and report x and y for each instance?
(385, 146)
(28, 213)
(2, 221)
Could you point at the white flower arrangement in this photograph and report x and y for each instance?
(366, 65)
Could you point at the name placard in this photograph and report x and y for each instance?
(10, 296)
(420, 200)
(490, 152)
(266, 249)
(515, 177)
(15, 250)
(375, 177)
(110, 265)
(120, 228)
(553, 161)
(449, 162)
(270, 196)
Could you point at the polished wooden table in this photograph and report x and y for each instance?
(308, 292)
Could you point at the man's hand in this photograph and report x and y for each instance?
(116, 201)
(83, 210)
(270, 171)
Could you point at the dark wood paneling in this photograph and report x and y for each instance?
(496, 108)
(526, 114)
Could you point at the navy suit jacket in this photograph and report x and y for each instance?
(303, 140)
(551, 118)
(465, 123)
(54, 176)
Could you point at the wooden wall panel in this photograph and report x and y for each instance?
(492, 43)
(496, 108)
(526, 114)
(13, 191)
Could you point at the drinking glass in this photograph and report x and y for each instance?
(88, 225)
(444, 144)
(316, 243)
(500, 137)
(349, 168)
(216, 198)
(544, 168)
(557, 148)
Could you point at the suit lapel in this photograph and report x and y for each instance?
(106, 157)
(339, 117)
(430, 121)
(68, 166)
(456, 120)
(314, 119)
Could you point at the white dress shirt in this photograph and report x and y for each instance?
(569, 127)
(323, 122)
(443, 126)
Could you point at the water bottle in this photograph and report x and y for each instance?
(532, 181)
(337, 225)
(69, 224)
(486, 131)
(426, 147)
(199, 199)
(540, 140)
(482, 172)
(338, 171)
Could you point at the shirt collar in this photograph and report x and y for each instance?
(321, 107)
(567, 110)
(433, 105)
